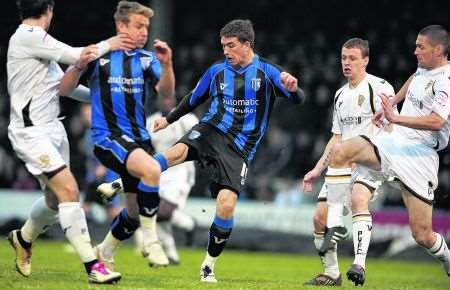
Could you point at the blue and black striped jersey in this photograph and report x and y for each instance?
(118, 83)
(242, 100)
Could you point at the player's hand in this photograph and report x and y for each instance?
(388, 109)
(309, 179)
(121, 41)
(378, 118)
(88, 54)
(289, 81)
(163, 52)
(159, 124)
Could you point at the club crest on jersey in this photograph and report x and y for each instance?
(104, 61)
(429, 84)
(145, 62)
(194, 135)
(45, 160)
(360, 100)
(256, 84)
(222, 86)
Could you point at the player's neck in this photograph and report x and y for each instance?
(353, 83)
(440, 63)
(41, 22)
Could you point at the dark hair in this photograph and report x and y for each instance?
(242, 29)
(436, 34)
(360, 43)
(33, 8)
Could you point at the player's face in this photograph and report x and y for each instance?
(425, 52)
(353, 63)
(235, 51)
(136, 28)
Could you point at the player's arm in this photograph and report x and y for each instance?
(401, 94)
(285, 84)
(72, 76)
(321, 164)
(438, 117)
(44, 46)
(192, 100)
(166, 84)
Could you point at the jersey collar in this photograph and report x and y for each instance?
(243, 69)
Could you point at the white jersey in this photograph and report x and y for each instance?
(354, 107)
(34, 75)
(429, 91)
(176, 182)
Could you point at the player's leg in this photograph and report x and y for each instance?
(362, 229)
(73, 223)
(339, 178)
(185, 222)
(331, 275)
(420, 220)
(165, 234)
(43, 215)
(148, 170)
(122, 228)
(219, 232)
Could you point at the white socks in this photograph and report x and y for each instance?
(210, 261)
(338, 183)
(148, 227)
(441, 252)
(109, 246)
(73, 223)
(41, 217)
(329, 260)
(362, 230)
(165, 235)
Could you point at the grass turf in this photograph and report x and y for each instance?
(56, 268)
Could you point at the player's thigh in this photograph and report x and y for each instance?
(226, 203)
(64, 185)
(356, 150)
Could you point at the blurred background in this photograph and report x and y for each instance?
(305, 38)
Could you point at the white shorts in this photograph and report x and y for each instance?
(370, 178)
(176, 183)
(414, 164)
(42, 148)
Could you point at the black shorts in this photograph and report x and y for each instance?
(215, 152)
(113, 153)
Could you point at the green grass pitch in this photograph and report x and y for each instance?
(56, 268)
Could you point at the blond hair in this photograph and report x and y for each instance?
(125, 8)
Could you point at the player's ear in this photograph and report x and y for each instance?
(366, 61)
(120, 26)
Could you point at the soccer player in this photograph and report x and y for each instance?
(39, 138)
(118, 83)
(409, 153)
(354, 105)
(243, 88)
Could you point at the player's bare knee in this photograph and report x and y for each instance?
(69, 192)
(423, 237)
(340, 157)
(359, 203)
(319, 220)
